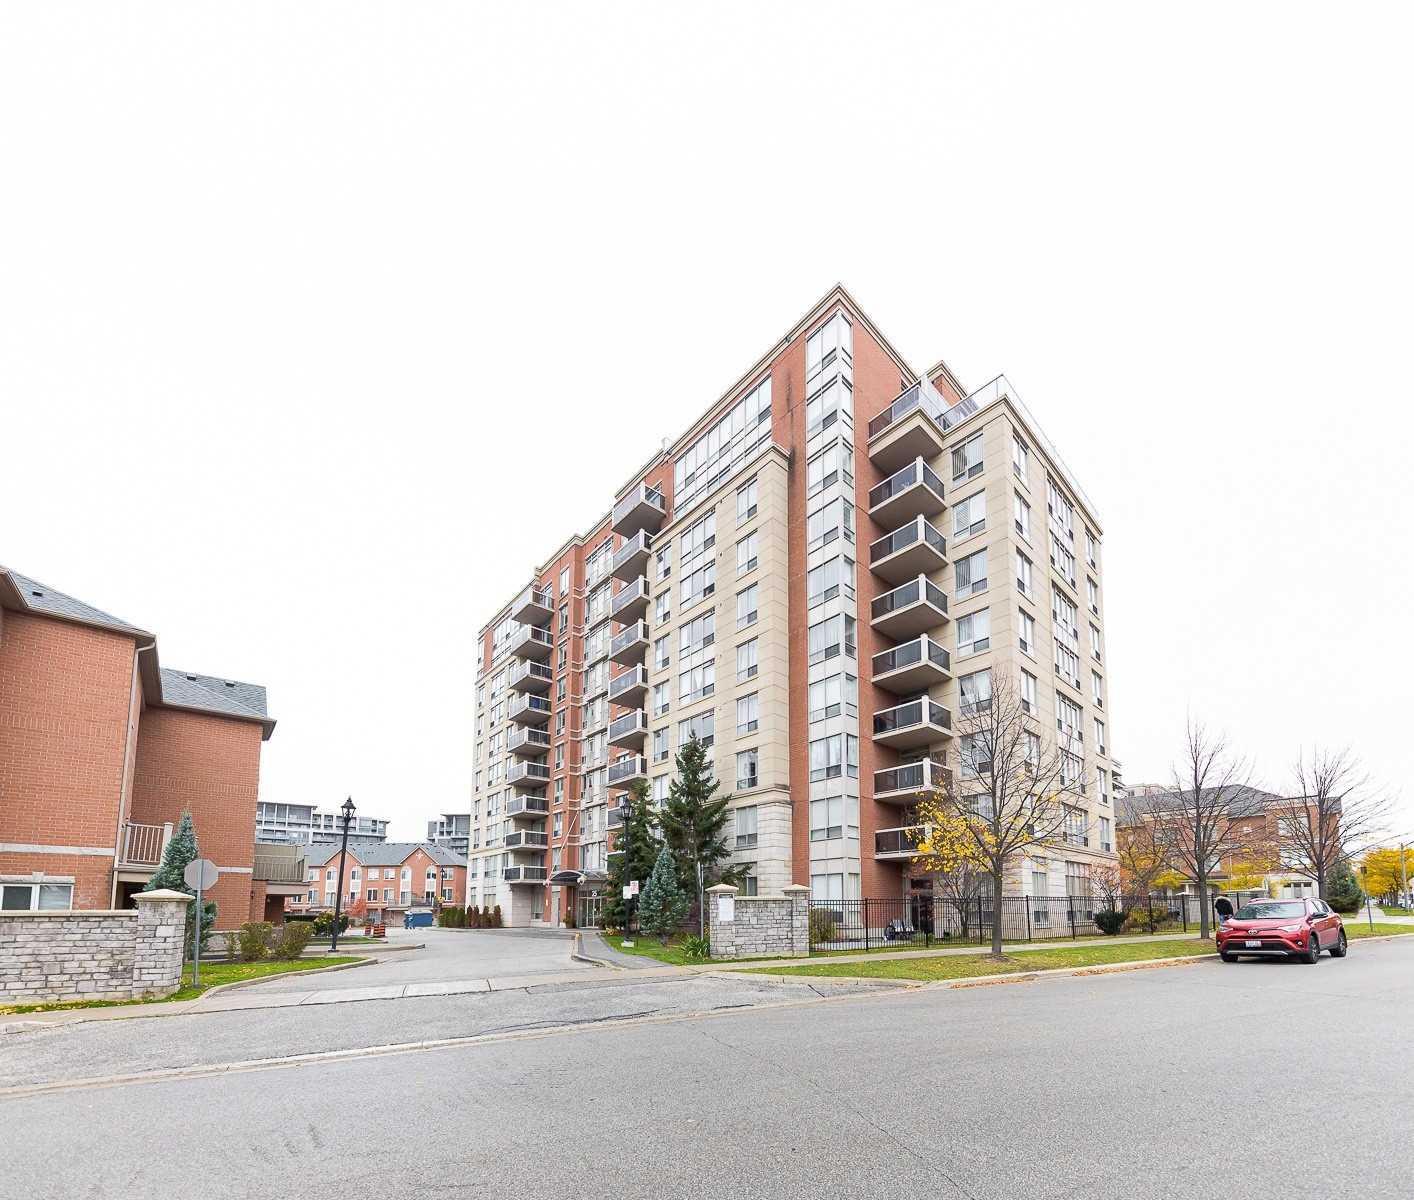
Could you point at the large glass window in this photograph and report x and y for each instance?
(967, 459)
(970, 574)
(832, 636)
(832, 342)
(712, 456)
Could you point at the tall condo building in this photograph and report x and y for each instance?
(829, 562)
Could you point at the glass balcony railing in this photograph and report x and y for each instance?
(643, 508)
(527, 839)
(919, 530)
(918, 396)
(528, 741)
(910, 593)
(527, 806)
(633, 637)
(899, 842)
(920, 650)
(529, 676)
(625, 770)
(524, 874)
(899, 482)
(628, 683)
(522, 774)
(922, 712)
(912, 777)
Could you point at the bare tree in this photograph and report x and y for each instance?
(1007, 796)
(1196, 824)
(1334, 816)
(1143, 856)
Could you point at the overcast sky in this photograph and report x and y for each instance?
(317, 320)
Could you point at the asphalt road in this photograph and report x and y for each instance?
(1130, 1085)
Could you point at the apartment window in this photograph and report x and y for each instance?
(1092, 549)
(1104, 778)
(562, 658)
(697, 683)
(662, 607)
(560, 723)
(749, 882)
(969, 517)
(1071, 768)
(746, 496)
(1068, 717)
(1026, 632)
(1075, 826)
(561, 688)
(746, 663)
(746, 558)
(826, 887)
(1023, 574)
(975, 754)
(662, 697)
(661, 655)
(1105, 843)
(832, 343)
(967, 459)
(834, 756)
(703, 727)
(1092, 593)
(1031, 743)
(746, 607)
(748, 713)
(660, 745)
(564, 581)
(975, 691)
(826, 819)
(699, 584)
(832, 636)
(970, 574)
(1028, 692)
(659, 792)
(746, 773)
(833, 696)
(825, 524)
(560, 757)
(726, 444)
(1097, 687)
(1095, 651)
(1063, 560)
(830, 579)
(559, 824)
(974, 632)
(1067, 664)
(1099, 736)
(1020, 456)
(36, 897)
(697, 634)
(826, 405)
(699, 537)
(831, 465)
(1021, 515)
(663, 561)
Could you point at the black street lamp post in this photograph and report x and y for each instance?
(347, 811)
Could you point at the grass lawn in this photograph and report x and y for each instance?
(651, 947)
(212, 975)
(1359, 928)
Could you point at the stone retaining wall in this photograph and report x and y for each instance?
(759, 926)
(131, 954)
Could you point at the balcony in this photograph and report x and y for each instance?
(618, 816)
(279, 868)
(141, 846)
(642, 509)
(528, 774)
(631, 644)
(528, 742)
(900, 842)
(531, 677)
(911, 550)
(908, 783)
(623, 772)
(914, 666)
(631, 559)
(527, 808)
(525, 839)
(908, 726)
(910, 609)
(529, 641)
(534, 606)
(914, 491)
(531, 875)
(629, 688)
(629, 730)
(630, 602)
(530, 710)
(910, 428)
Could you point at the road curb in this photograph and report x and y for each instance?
(578, 955)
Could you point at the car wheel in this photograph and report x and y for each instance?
(1226, 957)
(1341, 946)
(1313, 949)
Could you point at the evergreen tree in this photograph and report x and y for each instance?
(180, 851)
(641, 837)
(1342, 889)
(694, 821)
(663, 907)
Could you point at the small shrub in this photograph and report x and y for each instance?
(496, 917)
(1111, 920)
(324, 923)
(824, 925)
(696, 949)
(255, 939)
(1146, 920)
(233, 945)
(291, 940)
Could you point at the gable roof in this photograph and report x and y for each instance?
(1245, 802)
(24, 594)
(382, 854)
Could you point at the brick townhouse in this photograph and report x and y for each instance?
(387, 877)
(101, 751)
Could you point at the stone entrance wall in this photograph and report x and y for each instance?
(759, 926)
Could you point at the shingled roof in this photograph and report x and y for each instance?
(382, 854)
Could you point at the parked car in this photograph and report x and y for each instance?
(1289, 928)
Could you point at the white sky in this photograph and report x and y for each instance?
(314, 317)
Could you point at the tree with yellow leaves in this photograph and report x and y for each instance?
(948, 851)
(1381, 872)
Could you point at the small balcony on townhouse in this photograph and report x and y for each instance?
(908, 783)
(630, 645)
(527, 808)
(522, 875)
(528, 774)
(908, 726)
(530, 641)
(899, 842)
(525, 839)
(629, 730)
(534, 606)
(529, 709)
(623, 772)
(278, 868)
(631, 559)
(141, 846)
(912, 491)
(528, 742)
(912, 667)
(630, 602)
(912, 549)
(629, 688)
(643, 508)
(528, 676)
(910, 609)
(910, 428)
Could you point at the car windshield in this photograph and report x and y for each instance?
(1269, 912)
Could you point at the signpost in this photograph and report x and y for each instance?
(630, 891)
(201, 874)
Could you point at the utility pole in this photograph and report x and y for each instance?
(346, 810)
(1403, 874)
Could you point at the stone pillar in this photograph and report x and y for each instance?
(161, 937)
(799, 897)
(721, 933)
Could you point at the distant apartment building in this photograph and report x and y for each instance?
(381, 879)
(811, 578)
(101, 751)
(304, 824)
(452, 830)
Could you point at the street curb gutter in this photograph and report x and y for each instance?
(579, 955)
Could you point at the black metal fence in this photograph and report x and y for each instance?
(933, 920)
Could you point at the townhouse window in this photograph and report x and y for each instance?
(829, 466)
(1028, 693)
(371, 894)
(746, 610)
(970, 574)
(1095, 651)
(975, 691)
(748, 713)
(832, 636)
(746, 773)
(831, 697)
(1023, 574)
(1097, 688)
(1021, 515)
(746, 557)
(967, 459)
(662, 607)
(1020, 456)
(746, 661)
(661, 657)
(660, 745)
(1092, 593)
(746, 498)
(387, 895)
(1026, 632)
(1099, 736)
(974, 632)
(969, 517)
(830, 579)
(36, 897)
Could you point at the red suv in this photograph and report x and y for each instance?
(1292, 928)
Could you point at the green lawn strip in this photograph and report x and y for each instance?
(1361, 929)
(970, 966)
(956, 944)
(212, 975)
(671, 954)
